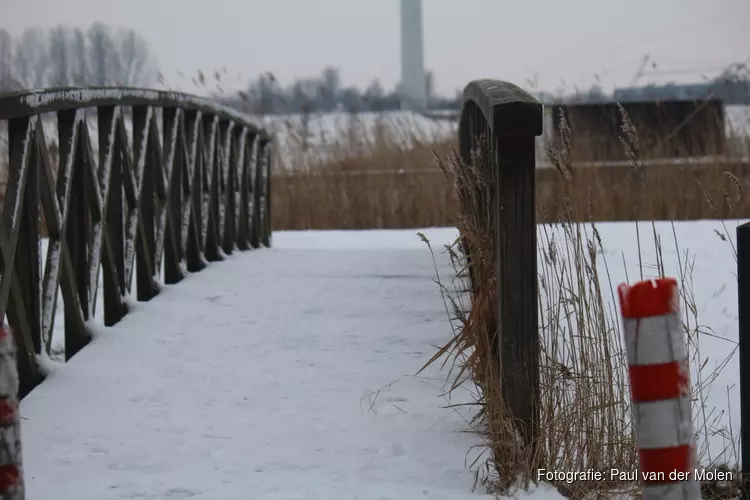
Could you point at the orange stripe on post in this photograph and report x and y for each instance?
(659, 382)
(659, 466)
(7, 412)
(9, 477)
(648, 298)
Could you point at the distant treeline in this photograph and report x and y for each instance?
(104, 56)
(66, 56)
(325, 93)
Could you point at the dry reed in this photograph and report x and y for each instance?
(585, 406)
(384, 176)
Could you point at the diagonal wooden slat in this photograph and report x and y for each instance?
(212, 250)
(146, 285)
(189, 136)
(172, 123)
(28, 252)
(195, 258)
(227, 143)
(142, 116)
(58, 264)
(243, 215)
(77, 259)
(209, 242)
(234, 158)
(111, 153)
(21, 270)
(56, 222)
(20, 144)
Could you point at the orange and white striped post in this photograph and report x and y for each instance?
(11, 476)
(659, 389)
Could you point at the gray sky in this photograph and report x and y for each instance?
(551, 41)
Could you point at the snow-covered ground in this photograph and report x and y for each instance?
(279, 374)
(289, 373)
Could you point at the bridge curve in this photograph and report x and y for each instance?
(170, 182)
(38, 101)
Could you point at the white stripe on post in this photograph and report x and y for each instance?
(659, 423)
(660, 390)
(11, 475)
(659, 348)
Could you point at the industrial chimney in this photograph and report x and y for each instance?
(413, 81)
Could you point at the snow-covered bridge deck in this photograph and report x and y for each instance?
(281, 373)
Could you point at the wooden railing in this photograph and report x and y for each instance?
(189, 185)
(497, 130)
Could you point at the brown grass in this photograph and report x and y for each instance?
(585, 406)
(361, 180)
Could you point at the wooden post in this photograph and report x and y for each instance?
(743, 295)
(511, 119)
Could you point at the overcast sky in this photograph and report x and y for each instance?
(550, 41)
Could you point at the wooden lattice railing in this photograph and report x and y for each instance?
(189, 185)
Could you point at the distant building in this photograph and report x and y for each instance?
(731, 92)
(413, 81)
(665, 128)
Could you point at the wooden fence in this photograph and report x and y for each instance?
(743, 310)
(189, 185)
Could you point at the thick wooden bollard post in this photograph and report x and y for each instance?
(660, 390)
(11, 475)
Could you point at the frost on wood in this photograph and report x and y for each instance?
(40, 100)
(49, 297)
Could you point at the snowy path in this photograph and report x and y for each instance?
(249, 381)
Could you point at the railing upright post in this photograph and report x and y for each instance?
(743, 295)
(512, 119)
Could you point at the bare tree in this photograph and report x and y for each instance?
(136, 63)
(31, 66)
(63, 56)
(79, 53)
(104, 58)
(60, 63)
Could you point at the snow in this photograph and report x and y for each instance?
(278, 374)
(289, 373)
(87, 95)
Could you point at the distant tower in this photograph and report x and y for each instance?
(413, 81)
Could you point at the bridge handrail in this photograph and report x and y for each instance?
(190, 184)
(39, 101)
(498, 127)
